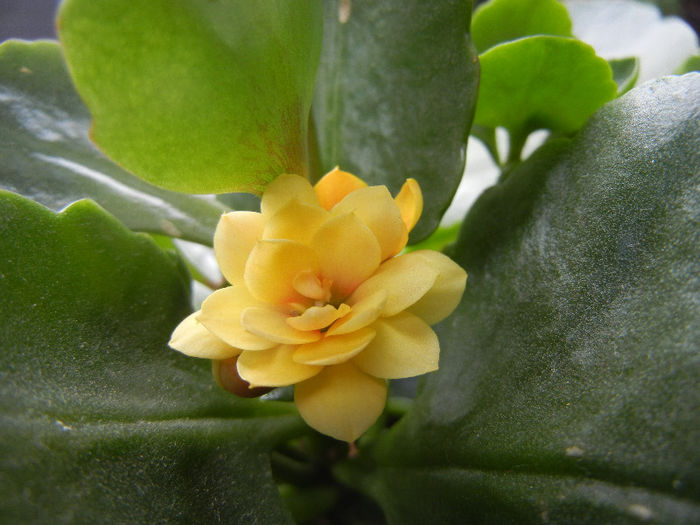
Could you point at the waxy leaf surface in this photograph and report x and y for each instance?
(47, 155)
(101, 421)
(567, 389)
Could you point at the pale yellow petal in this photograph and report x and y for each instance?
(410, 202)
(318, 317)
(234, 238)
(282, 190)
(335, 185)
(192, 338)
(405, 346)
(348, 253)
(362, 313)
(374, 206)
(273, 266)
(295, 221)
(341, 401)
(274, 367)
(309, 285)
(221, 314)
(227, 377)
(445, 294)
(272, 325)
(334, 349)
(405, 279)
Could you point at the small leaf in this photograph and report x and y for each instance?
(567, 389)
(625, 73)
(202, 97)
(395, 96)
(500, 21)
(101, 421)
(542, 82)
(46, 153)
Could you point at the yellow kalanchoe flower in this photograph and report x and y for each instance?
(320, 298)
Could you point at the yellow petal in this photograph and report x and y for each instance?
(362, 313)
(309, 285)
(318, 317)
(234, 238)
(335, 185)
(445, 294)
(282, 190)
(221, 313)
(272, 267)
(348, 253)
(272, 325)
(295, 221)
(332, 350)
(405, 278)
(191, 338)
(227, 377)
(341, 401)
(405, 346)
(274, 367)
(410, 202)
(375, 207)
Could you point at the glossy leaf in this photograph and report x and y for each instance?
(47, 155)
(625, 73)
(567, 388)
(395, 95)
(500, 21)
(101, 421)
(542, 82)
(203, 97)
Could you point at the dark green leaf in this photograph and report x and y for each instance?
(395, 95)
(101, 422)
(500, 21)
(203, 97)
(567, 389)
(46, 153)
(625, 73)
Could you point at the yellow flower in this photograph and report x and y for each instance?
(320, 298)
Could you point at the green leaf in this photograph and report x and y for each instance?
(500, 21)
(202, 97)
(101, 421)
(542, 82)
(46, 153)
(690, 65)
(625, 73)
(567, 389)
(395, 96)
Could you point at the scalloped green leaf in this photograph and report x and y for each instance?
(202, 97)
(542, 82)
(567, 389)
(47, 155)
(395, 96)
(101, 421)
(500, 21)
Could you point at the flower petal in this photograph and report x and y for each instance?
(272, 325)
(221, 313)
(295, 221)
(234, 238)
(335, 185)
(405, 346)
(309, 285)
(363, 313)
(274, 367)
(282, 190)
(192, 338)
(347, 251)
(341, 401)
(410, 202)
(318, 317)
(227, 377)
(272, 267)
(374, 206)
(405, 278)
(444, 296)
(334, 349)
